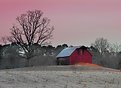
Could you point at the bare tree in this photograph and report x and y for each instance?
(116, 47)
(101, 44)
(32, 28)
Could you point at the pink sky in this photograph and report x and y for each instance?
(76, 22)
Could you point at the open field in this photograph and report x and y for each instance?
(60, 77)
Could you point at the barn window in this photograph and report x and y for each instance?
(82, 51)
(83, 48)
(78, 51)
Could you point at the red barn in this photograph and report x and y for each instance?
(74, 55)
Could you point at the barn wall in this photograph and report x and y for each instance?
(87, 57)
(73, 58)
(77, 57)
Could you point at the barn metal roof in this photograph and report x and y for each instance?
(67, 51)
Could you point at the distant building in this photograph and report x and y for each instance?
(74, 55)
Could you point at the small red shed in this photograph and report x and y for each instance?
(74, 55)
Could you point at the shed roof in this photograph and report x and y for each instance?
(67, 51)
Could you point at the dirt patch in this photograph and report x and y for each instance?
(88, 64)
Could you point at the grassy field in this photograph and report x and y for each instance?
(60, 77)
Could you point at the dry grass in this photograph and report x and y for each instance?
(81, 76)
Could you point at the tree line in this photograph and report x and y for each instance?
(12, 56)
(106, 54)
(103, 53)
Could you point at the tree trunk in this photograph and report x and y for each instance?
(28, 58)
(27, 63)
